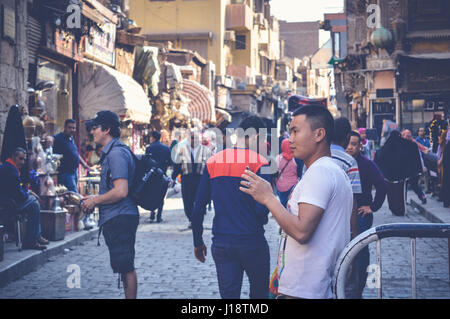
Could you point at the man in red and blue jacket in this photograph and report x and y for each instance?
(238, 242)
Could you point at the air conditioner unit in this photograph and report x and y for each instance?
(230, 36)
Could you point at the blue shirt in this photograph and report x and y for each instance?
(424, 141)
(11, 185)
(238, 218)
(118, 164)
(66, 146)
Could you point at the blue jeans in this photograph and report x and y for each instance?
(363, 258)
(69, 180)
(231, 262)
(32, 210)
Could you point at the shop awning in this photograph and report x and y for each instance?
(222, 115)
(201, 104)
(103, 88)
(429, 56)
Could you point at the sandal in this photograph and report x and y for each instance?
(41, 240)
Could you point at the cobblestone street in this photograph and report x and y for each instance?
(166, 266)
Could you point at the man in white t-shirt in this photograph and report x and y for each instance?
(316, 223)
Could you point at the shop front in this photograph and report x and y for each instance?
(52, 79)
(382, 99)
(426, 83)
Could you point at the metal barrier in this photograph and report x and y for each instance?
(408, 230)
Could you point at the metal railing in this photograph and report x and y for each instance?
(405, 230)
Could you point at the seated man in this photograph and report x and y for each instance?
(13, 192)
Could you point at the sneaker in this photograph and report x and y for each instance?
(159, 220)
(90, 223)
(152, 217)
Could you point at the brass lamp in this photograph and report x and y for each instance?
(29, 127)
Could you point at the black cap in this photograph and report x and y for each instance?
(107, 118)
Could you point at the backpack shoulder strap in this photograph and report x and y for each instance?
(107, 153)
(117, 145)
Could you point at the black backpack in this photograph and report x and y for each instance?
(150, 184)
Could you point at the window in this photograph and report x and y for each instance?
(428, 15)
(240, 42)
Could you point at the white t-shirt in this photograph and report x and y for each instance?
(306, 271)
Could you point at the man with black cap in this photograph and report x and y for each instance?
(119, 216)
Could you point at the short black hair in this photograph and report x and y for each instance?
(114, 130)
(69, 121)
(252, 121)
(156, 135)
(18, 150)
(356, 134)
(342, 129)
(318, 117)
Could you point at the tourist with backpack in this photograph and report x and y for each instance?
(119, 216)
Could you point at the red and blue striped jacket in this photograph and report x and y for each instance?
(238, 217)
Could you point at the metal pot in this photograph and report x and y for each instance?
(74, 198)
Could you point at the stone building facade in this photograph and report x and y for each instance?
(13, 58)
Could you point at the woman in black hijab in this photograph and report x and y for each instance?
(398, 159)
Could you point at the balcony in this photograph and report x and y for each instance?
(239, 17)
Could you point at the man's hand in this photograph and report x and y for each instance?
(364, 210)
(257, 187)
(88, 203)
(200, 253)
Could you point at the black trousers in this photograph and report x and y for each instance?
(189, 186)
(414, 183)
(396, 197)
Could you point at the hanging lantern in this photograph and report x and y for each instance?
(29, 127)
(381, 38)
